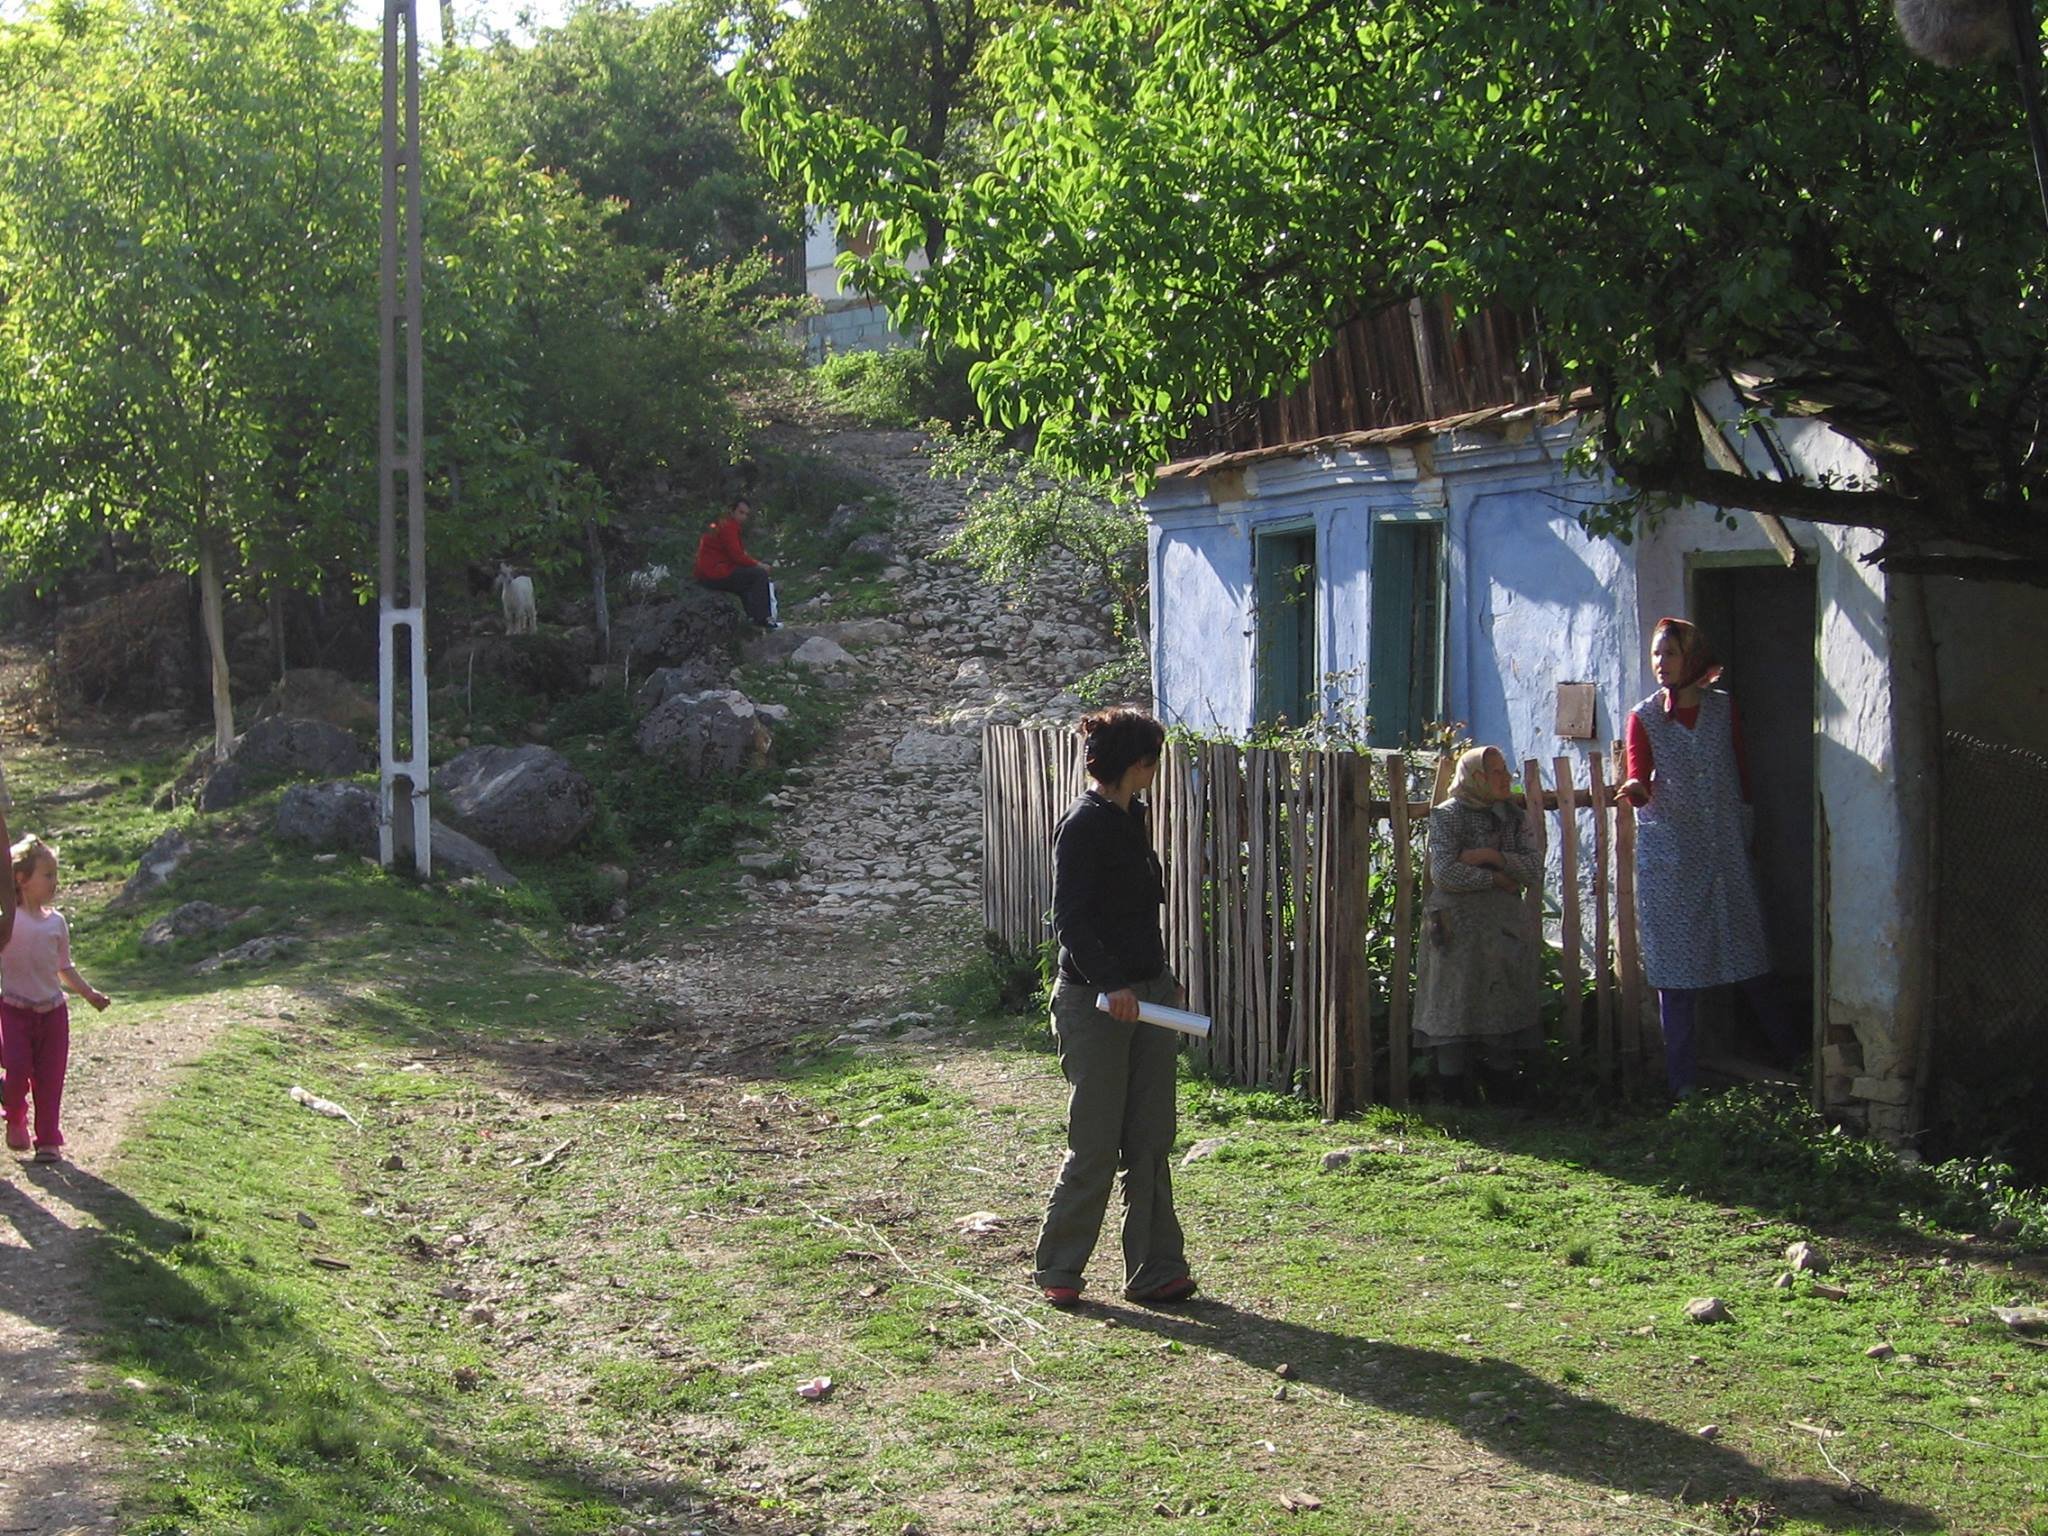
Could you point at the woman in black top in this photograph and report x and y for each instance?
(1106, 893)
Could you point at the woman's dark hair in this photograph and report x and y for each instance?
(1113, 740)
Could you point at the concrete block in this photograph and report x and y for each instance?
(1882, 1090)
(1842, 1060)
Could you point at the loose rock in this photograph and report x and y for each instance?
(194, 920)
(1707, 1309)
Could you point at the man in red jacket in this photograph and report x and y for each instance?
(724, 565)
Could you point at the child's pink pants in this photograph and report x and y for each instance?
(35, 1048)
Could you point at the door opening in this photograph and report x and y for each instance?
(1762, 621)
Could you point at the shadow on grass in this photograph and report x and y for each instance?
(1765, 1153)
(262, 1425)
(1596, 1443)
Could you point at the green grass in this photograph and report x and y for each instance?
(1495, 1296)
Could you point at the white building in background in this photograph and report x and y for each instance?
(847, 320)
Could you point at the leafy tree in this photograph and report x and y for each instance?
(628, 104)
(905, 69)
(188, 258)
(1183, 196)
(184, 285)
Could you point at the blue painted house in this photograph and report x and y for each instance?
(1391, 576)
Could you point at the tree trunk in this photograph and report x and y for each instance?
(277, 631)
(210, 606)
(602, 609)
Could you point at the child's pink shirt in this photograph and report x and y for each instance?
(35, 956)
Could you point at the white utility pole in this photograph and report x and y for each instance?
(401, 609)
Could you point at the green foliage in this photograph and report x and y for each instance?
(189, 203)
(906, 70)
(903, 387)
(1182, 197)
(1019, 516)
(629, 106)
(1124, 677)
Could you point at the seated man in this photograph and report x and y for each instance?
(724, 565)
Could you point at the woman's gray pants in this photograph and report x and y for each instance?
(1120, 1116)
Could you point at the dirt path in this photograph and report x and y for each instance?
(56, 1468)
(886, 836)
(887, 829)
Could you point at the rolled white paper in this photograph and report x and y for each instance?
(1196, 1024)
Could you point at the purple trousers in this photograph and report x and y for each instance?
(35, 1048)
(1678, 1009)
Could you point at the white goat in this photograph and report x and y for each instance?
(516, 594)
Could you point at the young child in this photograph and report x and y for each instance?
(35, 1024)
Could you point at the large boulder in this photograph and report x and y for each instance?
(664, 683)
(701, 734)
(342, 818)
(274, 747)
(549, 664)
(339, 818)
(695, 625)
(455, 857)
(316, 693)
(314, 748)
(525, 800)
(818, 652)
(194, 920)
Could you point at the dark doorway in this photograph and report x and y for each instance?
(1284, 667)
(1763, 622)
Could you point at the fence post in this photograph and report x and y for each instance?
(1354, 821)
(1532, 826)
(1627, 963)
(1401, 998)
(1302, 1018)
(1571, 971)
(1603, 1001)
(1629, 936)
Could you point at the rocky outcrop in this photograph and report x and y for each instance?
(697, 625)
(159, 862)
(702, 734)
(518, 800)
(338, 818)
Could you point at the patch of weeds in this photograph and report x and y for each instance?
(1214, 1103)
(900, 388)
(1578, 1253)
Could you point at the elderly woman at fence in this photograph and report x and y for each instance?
(1107, 888)
(1478, 986)
(1696, 900)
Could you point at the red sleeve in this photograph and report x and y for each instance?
(1641, 761)
(729, 536)
(1741, 751)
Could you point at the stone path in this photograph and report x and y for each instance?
(887, 830)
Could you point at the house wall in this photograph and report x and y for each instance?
(847, 320)
(1531, 601)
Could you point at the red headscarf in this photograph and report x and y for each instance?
(1701, 667)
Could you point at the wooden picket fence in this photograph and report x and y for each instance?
(1274, 860)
